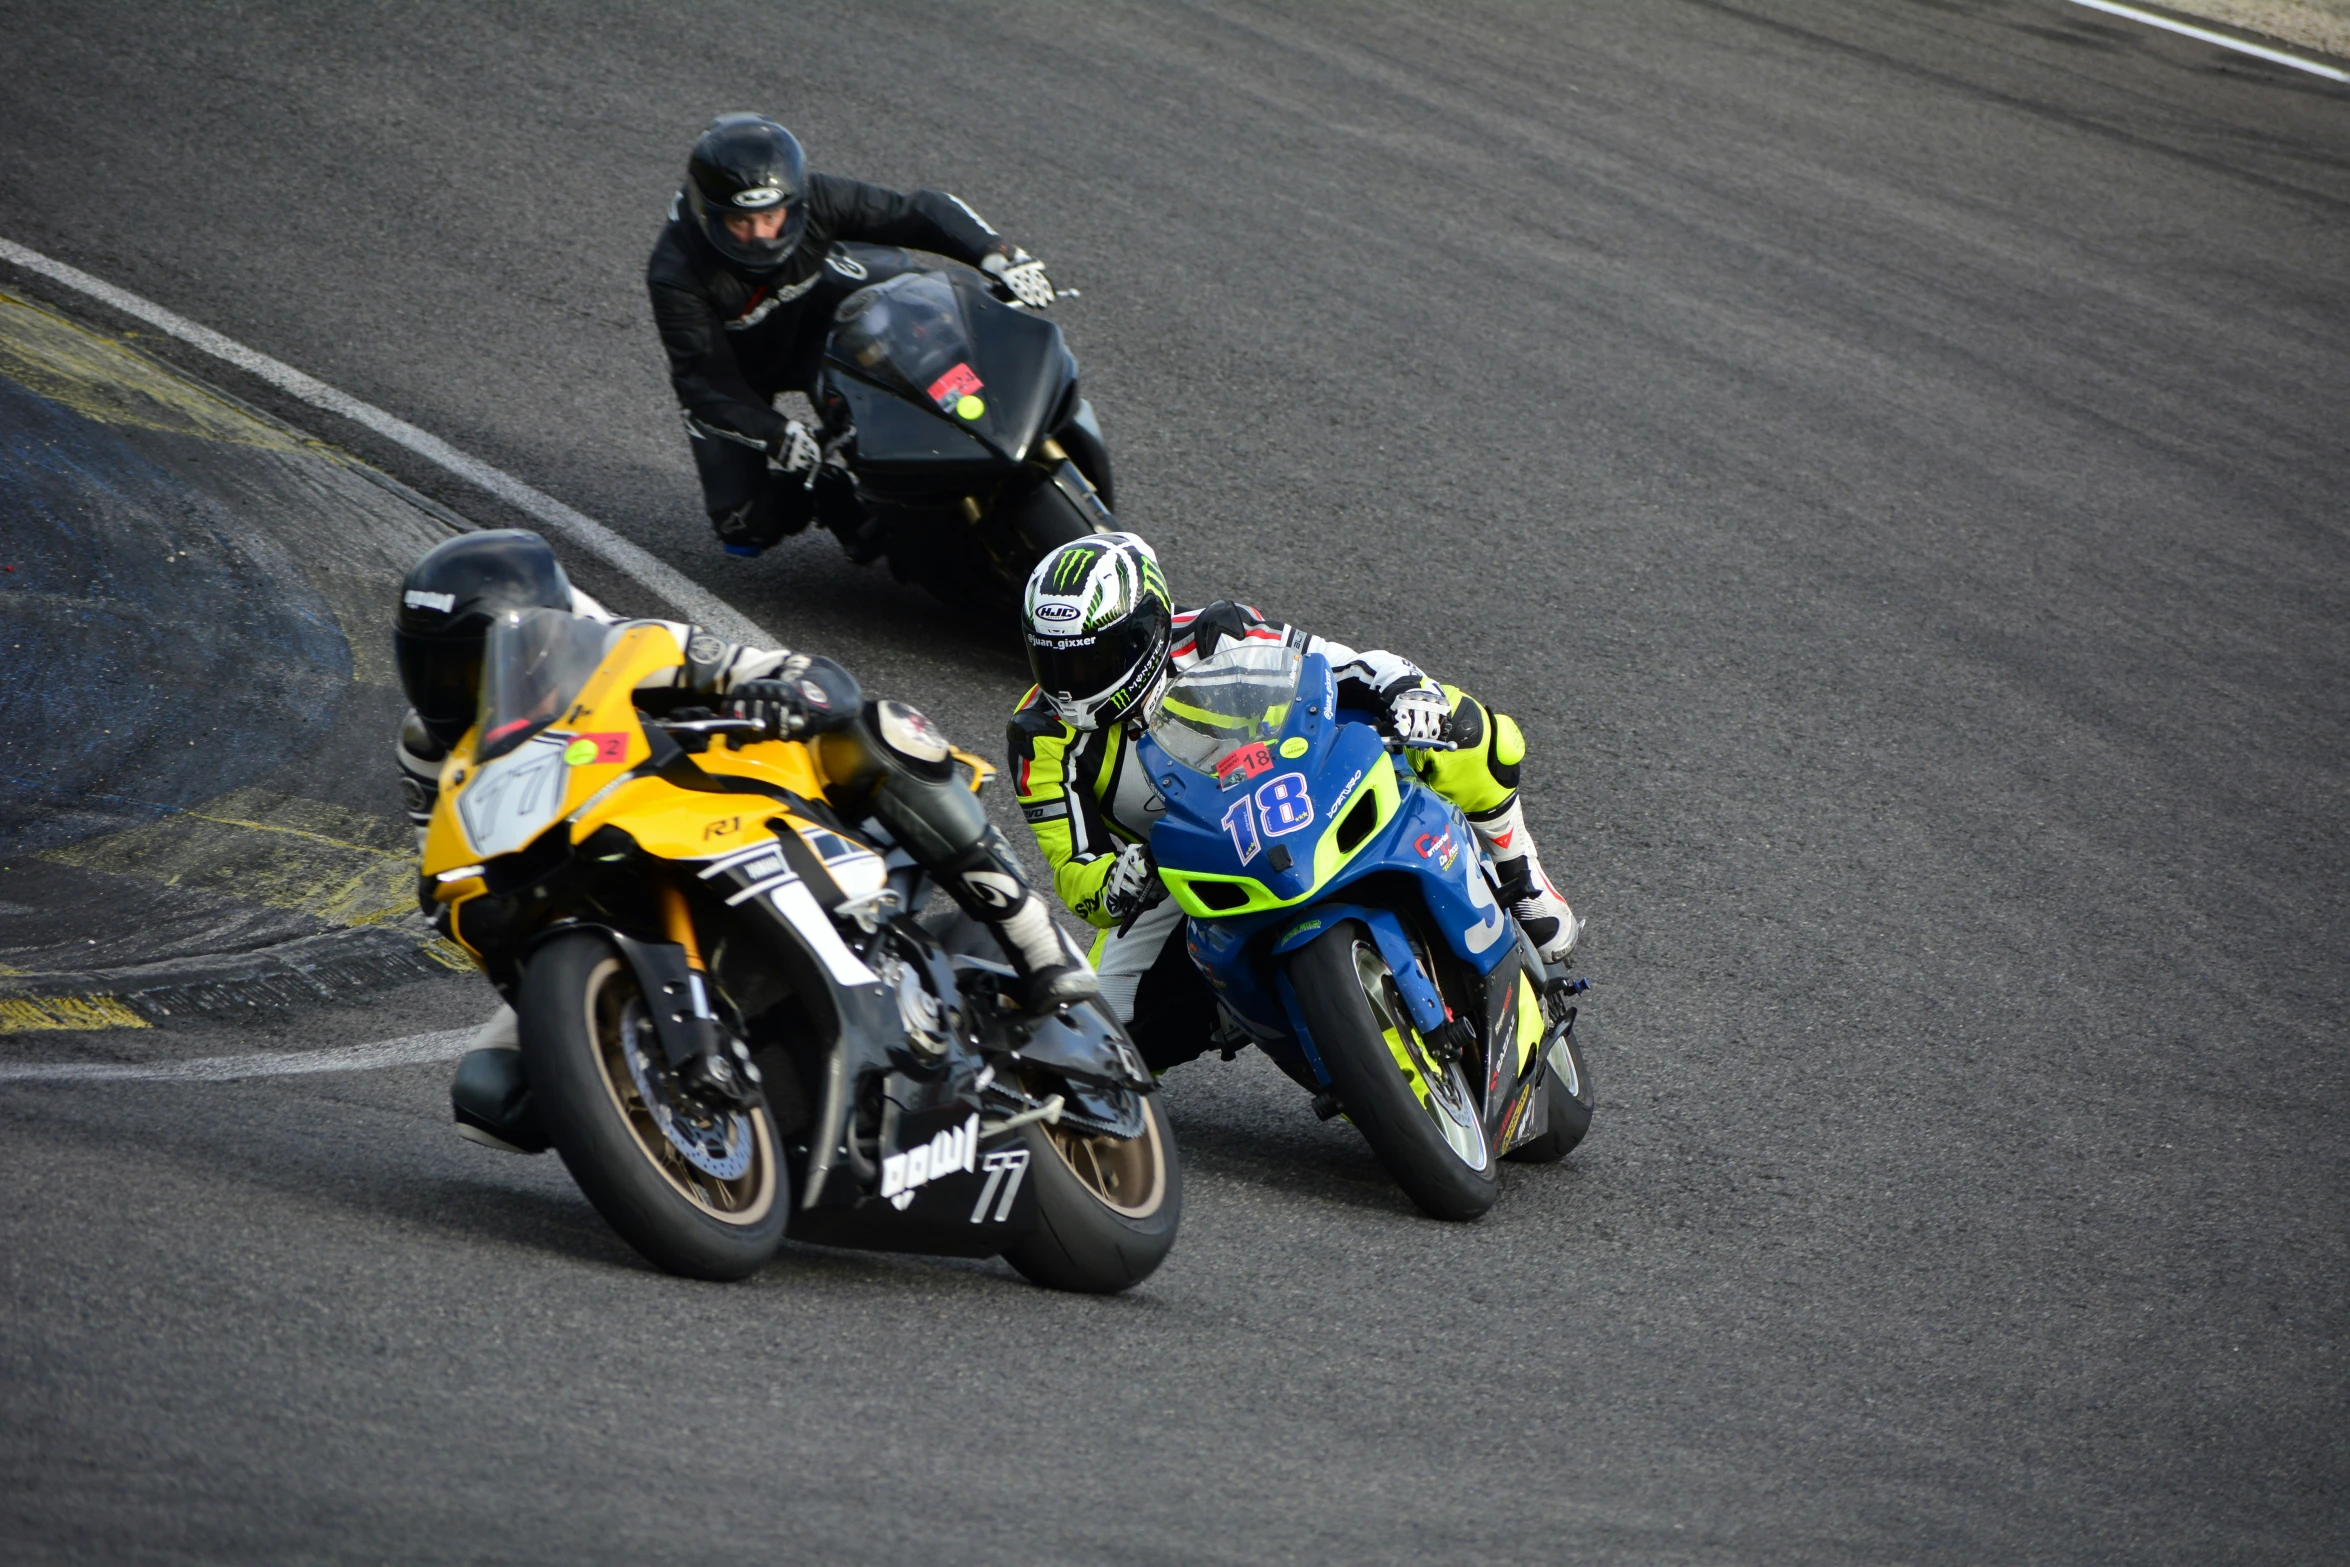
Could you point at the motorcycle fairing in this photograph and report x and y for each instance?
(1022, 364)
(1346, 773)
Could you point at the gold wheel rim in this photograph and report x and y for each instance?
(1127, 1175)
(744, 1200)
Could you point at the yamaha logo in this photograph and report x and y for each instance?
(1056, 612)
(758, 196)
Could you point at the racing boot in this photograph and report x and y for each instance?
(489, 1095)
(1524, 885)
(990, 889)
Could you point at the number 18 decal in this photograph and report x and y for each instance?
(1285, 806)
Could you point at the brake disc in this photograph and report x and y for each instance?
(718, 1145)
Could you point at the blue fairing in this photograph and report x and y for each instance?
(1426, 839)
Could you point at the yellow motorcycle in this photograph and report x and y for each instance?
(733, 1023)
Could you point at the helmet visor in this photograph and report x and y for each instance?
(739, 241)
(1098, 675)
(441, 676)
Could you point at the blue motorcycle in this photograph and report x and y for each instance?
(1348, 922)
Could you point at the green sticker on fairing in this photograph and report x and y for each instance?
(968, 407)
(580, 752)
(1294, 747)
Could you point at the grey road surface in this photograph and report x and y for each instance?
(1891, 459)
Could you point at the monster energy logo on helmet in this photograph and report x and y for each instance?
(1097, 617)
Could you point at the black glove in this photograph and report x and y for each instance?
(806, 696)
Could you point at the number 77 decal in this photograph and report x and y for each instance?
(1286, 806)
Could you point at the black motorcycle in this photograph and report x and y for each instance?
(957, 415)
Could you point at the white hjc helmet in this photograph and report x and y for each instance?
(1098, 623)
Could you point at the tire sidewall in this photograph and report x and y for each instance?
(1081, 1243)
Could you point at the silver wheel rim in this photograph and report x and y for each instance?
(1436, 1085)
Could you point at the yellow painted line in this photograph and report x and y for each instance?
(101, 380)
(309, 856)
(40, 1014)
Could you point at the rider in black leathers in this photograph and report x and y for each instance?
(744, 281)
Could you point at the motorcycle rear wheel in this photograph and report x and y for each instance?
(1567, 1104)
(1412, 1106)
(582, 1023)
(1107, 1208)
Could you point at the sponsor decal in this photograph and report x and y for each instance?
(847, 266)
(1440, 847)
(758, 198)
(817, 697)
(1294, 747)
(955, 385)
(1242, 765)
(704, 648)
(415, 598)
(953, 1152)
(1005, 1167)
(1055, 612)
(598, 748)
(1300, 928)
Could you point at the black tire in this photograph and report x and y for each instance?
(1567, 1102)
(581, 1014)
(1409, 1106)
(1106, 1210)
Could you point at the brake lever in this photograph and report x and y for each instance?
(710, 726)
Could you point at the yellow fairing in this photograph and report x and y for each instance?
(1329, 859)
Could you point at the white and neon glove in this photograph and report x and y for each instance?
(1419, 713)
(1023, 274)
(1131, 882)
(794, 449)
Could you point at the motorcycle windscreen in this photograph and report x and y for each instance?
(940, 343)
(534, 662)
(1221, 709)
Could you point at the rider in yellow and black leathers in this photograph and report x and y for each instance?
(1103, 638)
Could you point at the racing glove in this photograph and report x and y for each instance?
(1419, 712)
(1131, 883)
(806, 696)
(1023, 275)
(794, 450)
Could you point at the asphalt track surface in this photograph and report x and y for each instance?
(1889, 457)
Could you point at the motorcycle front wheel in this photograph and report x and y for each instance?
(1107, 1208)
(1413, 1106)
(700, 1194)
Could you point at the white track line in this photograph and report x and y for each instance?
(690, 598)
(2203, 34)
(414, 1050)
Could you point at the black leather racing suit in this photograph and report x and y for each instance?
(737, 339)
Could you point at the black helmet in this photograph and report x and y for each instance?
(744, 164)
(445, 609)
(1098, 624)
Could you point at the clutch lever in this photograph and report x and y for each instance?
(1158, 895)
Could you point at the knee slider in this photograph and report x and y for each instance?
(1509, 749)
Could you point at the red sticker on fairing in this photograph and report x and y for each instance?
(956, 384)
(1242, 765)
